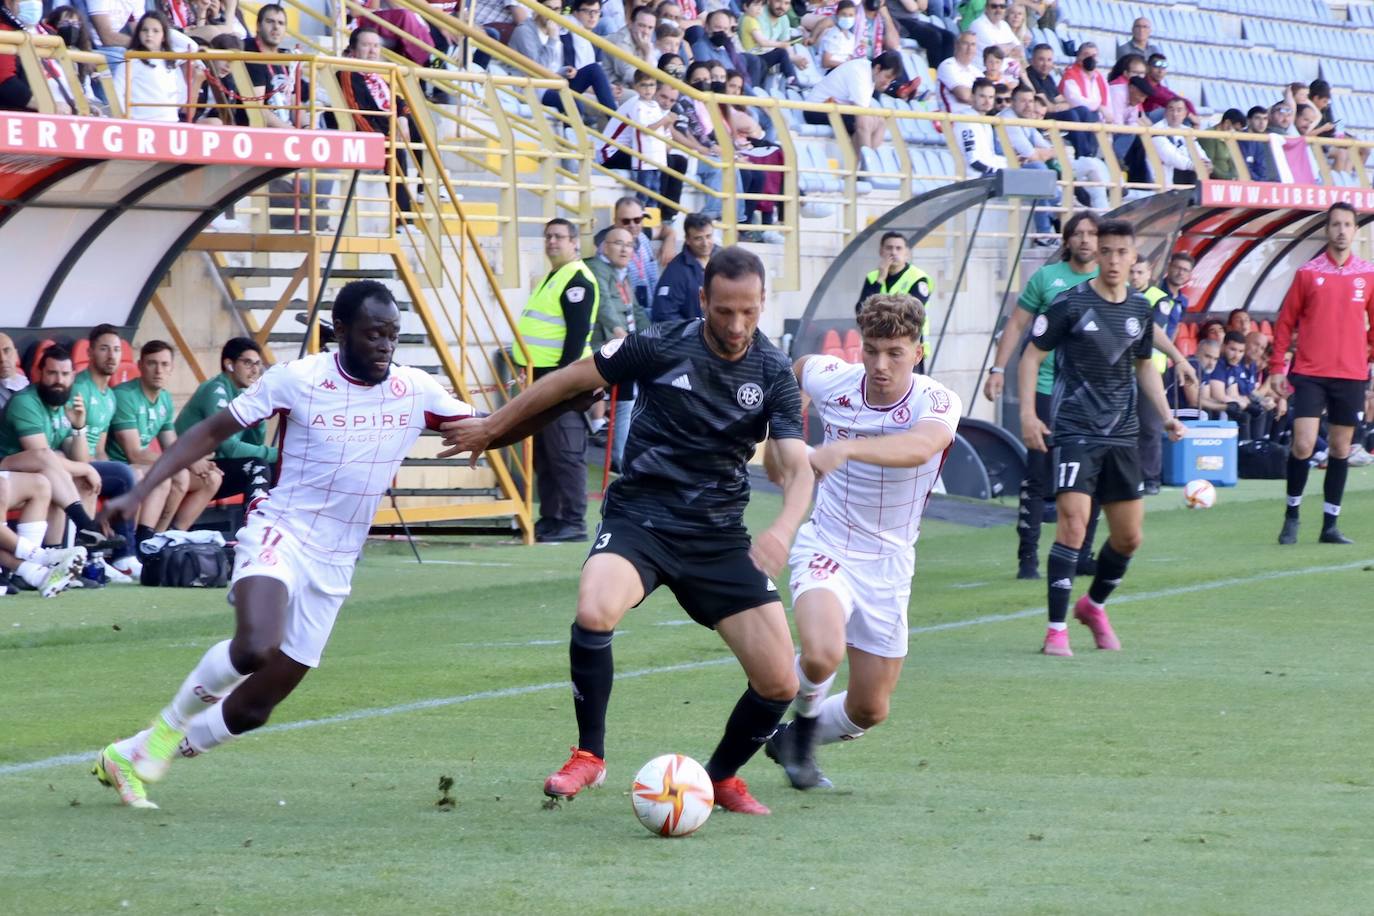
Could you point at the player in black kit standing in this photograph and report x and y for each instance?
(710, 390)
(1100, 332)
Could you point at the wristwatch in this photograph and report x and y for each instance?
(997, 370)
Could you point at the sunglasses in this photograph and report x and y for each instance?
(626, 220)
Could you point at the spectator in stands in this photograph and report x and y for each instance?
(1239, 320)
(956, 75)
(1297, 94)
(584, 66)
(636, 39)
(1042, 79)
(365, 92)
(217, 101)
(668, 38)
(245, 460)
(1083, 84)
(1019, 21)
(1236, 387)
(544, 41)
(640, 125)
(144, 413)
(693, 130)
(1257, 153)
(66, 22)
(617, 316)
(1213, 330)
(679, 291)
(282, 86)
(937, 42)
(11, 379)
(895, 275)
(1302, 161)
(1281, 119)
(994, 72)
(645, 268)
(42, 432)
(1124, 99)
(500, 17)
(1032, 151)
(613, 17)
(155, 88)
(1319, 96)
(1183, 160)
(720, 44)
(92, 386)
(771, 37)
(839, 42)
(991, 29)
(1223, 168)
(856, 82)
(111, 21)
(1139, 42)
(1157, 68)
(976, 140)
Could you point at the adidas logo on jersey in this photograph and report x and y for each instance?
(1090, 326)
(682, 382)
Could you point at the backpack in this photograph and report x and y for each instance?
(188, 565)
(1262, 459)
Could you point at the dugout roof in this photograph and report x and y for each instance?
(94, 211)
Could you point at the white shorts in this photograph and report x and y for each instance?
(873, 593)
(316, 590)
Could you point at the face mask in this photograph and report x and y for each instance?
(717, 86)
(720, 39)
(1090, 64)
(702, 85)
(30, 13)
(70, 34)
(846, 23)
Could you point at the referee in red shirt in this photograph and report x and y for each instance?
(1330, 306)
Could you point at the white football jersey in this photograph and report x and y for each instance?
(864, 511)
(343, 442)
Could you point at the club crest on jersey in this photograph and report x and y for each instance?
(901, 414)
(939, 401)
(749, 395)
(398, 386)
(1042, 324)
(609, 347)
(1359, 282)
(1132, 326)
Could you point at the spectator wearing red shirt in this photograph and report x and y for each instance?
(15, 94)
(1160, 94)
(1331, 307)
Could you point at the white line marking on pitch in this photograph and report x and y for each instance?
(357, 715)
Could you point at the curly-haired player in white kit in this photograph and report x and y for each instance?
(887, 430)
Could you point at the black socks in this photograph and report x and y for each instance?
(1111, 566)
(1062, 566)
(752, 722)
(593, 670)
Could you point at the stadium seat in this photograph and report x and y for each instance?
(853, 346)
(32, 367)
(81, 354)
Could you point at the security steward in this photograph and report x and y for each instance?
(555, 327)
(897, 276)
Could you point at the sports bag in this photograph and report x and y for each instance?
(179, 559)
(1262, 459)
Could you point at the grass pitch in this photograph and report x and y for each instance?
(1220, 764)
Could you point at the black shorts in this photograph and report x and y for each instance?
(823, 118)
(1341, 398)
(710, 574)
(1110, 473)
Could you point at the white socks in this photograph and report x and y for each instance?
(205, 732)
(834, 724)
(208, 683)
(32, 573)
(33, 532)
(810, 696)
(26, 549)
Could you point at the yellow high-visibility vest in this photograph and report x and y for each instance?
(542, 325)
(1152, 296)
(903, 285)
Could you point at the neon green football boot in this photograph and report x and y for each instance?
(152, 757)
(113, 770)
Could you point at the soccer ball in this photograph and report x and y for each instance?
(672, 795)
(1199, 494)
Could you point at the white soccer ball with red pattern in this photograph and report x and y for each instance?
(672, 795)
(1199, 494)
